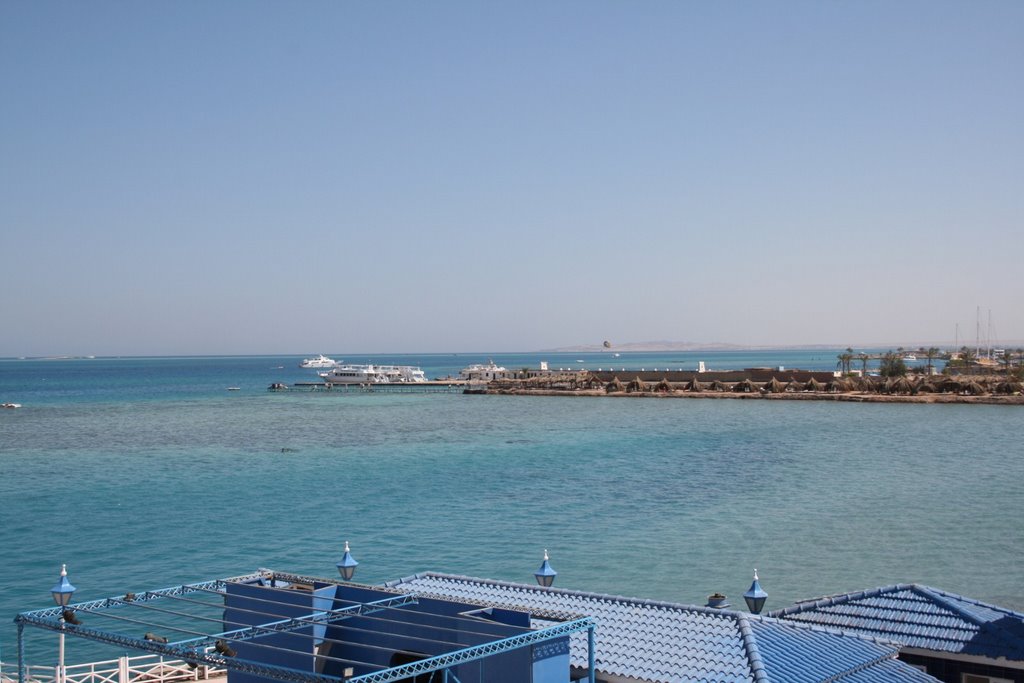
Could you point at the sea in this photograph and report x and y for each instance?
(144, 473)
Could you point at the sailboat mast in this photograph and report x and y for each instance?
(988, 334)
(977, 332)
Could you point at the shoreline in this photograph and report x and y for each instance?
(765, 384)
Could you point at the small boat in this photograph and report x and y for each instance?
(319, 362)
(10, 405)
(910, 358)
(234, 388)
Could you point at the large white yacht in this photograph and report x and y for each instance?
(374, 374)
(319, 362)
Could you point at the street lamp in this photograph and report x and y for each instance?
(755, 597)
(348, 564)
(546, 574)
(62, 593)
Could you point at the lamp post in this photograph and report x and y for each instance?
(546, 574)
(62, 593)
(755, 597)
(348, 564)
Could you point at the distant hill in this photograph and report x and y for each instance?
(652, 346)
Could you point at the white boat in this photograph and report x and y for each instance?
(910, 358)
(374, 374)
(483, 372)
(10, 405)
(319, 362)
(403, 373)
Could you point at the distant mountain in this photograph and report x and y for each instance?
(652, 346)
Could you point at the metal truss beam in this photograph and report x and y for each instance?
(189, 654)
(146, 596)
(195, 650)
(293, 623)
(476, 652)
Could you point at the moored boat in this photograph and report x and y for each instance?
(374, 374)
(319, 362)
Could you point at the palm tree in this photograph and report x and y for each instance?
(863, 362)
(931, 353)
(845, 359)
(892, 365)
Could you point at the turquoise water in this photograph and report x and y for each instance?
(143, 473)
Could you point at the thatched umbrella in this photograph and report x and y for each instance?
(838, 386)
(774, 386)
(1009, 387)
(794, 385)
(718, 386)
(951, 386)
(814, 385)
(694, 385)
(663, 386)
(900, 385)
(974, 389)
(746, 386)
(614, 386)
(926, 387)
(636, 385)
(862, 384)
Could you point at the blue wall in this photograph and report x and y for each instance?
(246, 604)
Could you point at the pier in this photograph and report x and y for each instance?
(447, 386)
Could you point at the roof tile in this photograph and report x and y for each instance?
(920, 617)
(659, 641)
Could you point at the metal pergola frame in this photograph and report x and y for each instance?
(201, 647)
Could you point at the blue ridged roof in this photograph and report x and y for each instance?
(661, 641)
(919, 617)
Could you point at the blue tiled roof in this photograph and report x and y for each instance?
(919, 617)
(661, 641)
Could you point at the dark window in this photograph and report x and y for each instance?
(400, 658)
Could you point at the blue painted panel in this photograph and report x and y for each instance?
(551, 662)
(250, 604)
(416, 631)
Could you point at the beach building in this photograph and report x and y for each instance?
(280, 626)
(953, 638)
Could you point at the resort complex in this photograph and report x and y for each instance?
(280, 626)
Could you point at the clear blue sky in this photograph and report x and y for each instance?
(276, 177)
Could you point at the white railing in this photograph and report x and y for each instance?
(140, 669)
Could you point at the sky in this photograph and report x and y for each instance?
(252, 177)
